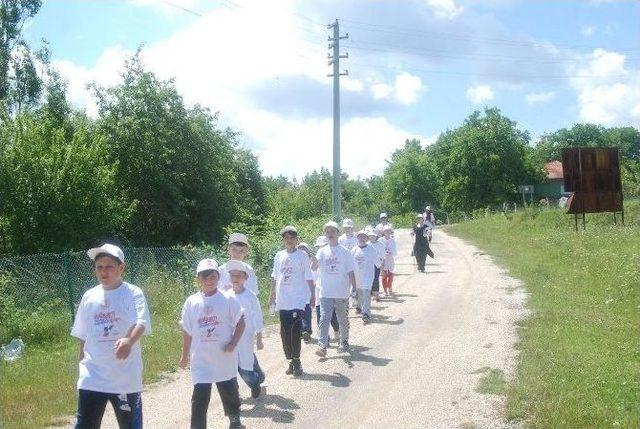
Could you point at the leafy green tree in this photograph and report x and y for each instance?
(20, 85)
(410, 179)
(482, 162)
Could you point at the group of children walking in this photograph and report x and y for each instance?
(222, 323)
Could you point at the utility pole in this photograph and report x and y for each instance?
(334, 59)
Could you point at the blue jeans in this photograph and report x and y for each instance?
(327, 307)
(306, 320)
(255, 377)
(91, 406)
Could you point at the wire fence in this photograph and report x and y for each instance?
(39, 294)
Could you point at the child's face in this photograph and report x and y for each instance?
(238, 251)
(348, 230)
(331, 233)
(387, 233)
(109, 270)
(373, 238)
(290, 241)
(362, 240)
(238, 278)
(208, 281)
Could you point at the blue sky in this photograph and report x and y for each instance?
(416, 67)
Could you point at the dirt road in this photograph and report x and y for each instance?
(415, 366)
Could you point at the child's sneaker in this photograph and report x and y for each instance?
(336, 335)
(289, 370)
(365, 318)
(358, 310)
(234, 422)
(322, 352)
(344, 348)
(297, 368)
(306, 336)
(255, 391)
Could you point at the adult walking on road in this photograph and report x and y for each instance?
(421, 244)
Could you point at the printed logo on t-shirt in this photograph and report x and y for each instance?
(332, 263)
(360, 259)
(207, 325)
(105, 326)
(286, 272)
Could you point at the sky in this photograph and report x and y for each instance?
(415, 68)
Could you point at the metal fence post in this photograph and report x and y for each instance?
(66, 264)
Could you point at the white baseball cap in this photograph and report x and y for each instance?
(362, 232)
(290, 229)
(207, 265)
(304, 246)
(109, 249)
(428, 208)
(322, 241)
(419, 216)
(347, 223)
(331, 224)
(235, 265)
(237, 237)
(383, 214)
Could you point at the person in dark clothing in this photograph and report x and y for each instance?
(421, 245)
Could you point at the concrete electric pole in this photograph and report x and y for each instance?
(334, 59)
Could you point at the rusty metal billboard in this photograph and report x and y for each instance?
(593, 175)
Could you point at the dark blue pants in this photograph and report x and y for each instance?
(229, 395)
(255, 377)
(306, 320)
(91, 406)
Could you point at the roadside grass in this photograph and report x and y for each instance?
(579, 365)
(39, 389)
(492, 383)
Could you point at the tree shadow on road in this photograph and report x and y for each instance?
(357, 355)
(274, 407)
(407, 295)
(336, 379)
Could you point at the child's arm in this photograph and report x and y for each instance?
(81, 351)
(186, 349)
(237, 333)
(124, 344)
(259, 343)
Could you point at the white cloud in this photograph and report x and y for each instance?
(446, 9)
(407, 87)
(381, 90)
(539, 97)
(404, 90)
(587, 30)
(608, 93)
(480, 93)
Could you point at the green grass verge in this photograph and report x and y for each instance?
(492, 383)
(579, 365)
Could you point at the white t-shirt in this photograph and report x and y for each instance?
(365, 259)
(390, 252)
(334, 265)
(379, 248)
(103, 317)
(292, 271)
(225, 281)
(253, 320)
(211, 321)
(348, 242)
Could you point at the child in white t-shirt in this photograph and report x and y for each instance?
(348, 238)
(306, 327)
(335, 276)
(238, 249)
(322, 241)
(111, 319)
(384, 221)
(365, 258)
(388, 264)
(379, 248)
(291, 285)
(212, 325)
(248, 367)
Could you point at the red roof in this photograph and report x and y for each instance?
(554, 170)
